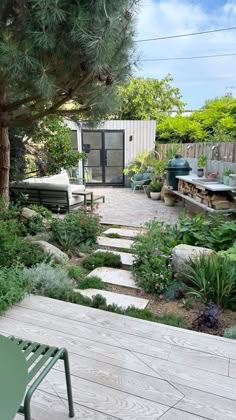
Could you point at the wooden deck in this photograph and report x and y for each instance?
(125, 368)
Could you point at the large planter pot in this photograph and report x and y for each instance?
(200, 172)
(155, 195)
(226, 180)
(169, 200)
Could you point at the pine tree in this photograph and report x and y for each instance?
(56, 51)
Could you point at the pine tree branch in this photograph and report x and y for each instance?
(15, 105)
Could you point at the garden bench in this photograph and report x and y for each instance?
(40, 359)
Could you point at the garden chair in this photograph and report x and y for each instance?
(139, 180)
(40, 359)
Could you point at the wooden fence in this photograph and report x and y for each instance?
(218, 152)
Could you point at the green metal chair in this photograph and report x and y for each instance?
(40, 359)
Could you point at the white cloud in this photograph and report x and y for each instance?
(197, 79)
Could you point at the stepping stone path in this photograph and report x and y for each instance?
(115, 276)
(115, 243)
(119, 299)
(124, 233)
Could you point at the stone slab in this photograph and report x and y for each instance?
(115, 243)
(125, 233)
(119, 299)
(115, 276)
(126, 258)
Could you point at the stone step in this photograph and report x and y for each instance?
(114, 243)
(115, 276)
(127, 259)
(123, 233)
(119, 299)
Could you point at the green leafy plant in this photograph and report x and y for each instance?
(230, 332)
(113, 235)
(92, 282)
(201, 161)
(228, 172)
(43, 211)
(155, 186)
(34, 224)
(213, 232)
(44, 278)
(152, 251)
(13, 287)
(211, 279)
(230, 253)
(76, 272)
(16, 250)
(75, 229)
(102, 259)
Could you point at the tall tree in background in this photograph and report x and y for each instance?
(55, 51)
(149, 99)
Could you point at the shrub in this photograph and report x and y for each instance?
(113, 235)
(76, 272)
(172, 319)
(213, 232)
(45, 279)
(212, 280)
(76, 228)
(13, 287)
(41, 210)
(102, 259)
(230, 332)
(34, 225)
(16, 250)
(92, 282)
(152, 266)
(230, 254)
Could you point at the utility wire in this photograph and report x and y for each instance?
(188, 58)
(185, 35)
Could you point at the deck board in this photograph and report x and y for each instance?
(124, 368)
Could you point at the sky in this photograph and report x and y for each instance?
(200, 79)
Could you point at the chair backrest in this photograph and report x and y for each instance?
(13, 378)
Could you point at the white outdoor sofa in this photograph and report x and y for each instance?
(54, 192)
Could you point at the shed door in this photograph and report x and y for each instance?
(105, 157)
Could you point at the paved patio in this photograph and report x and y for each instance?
(127, 208)
(125, 368)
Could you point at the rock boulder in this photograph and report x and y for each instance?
(181, 255)
(56, 254)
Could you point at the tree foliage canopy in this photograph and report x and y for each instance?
(148, 99)
(214, 122)
(52, 51)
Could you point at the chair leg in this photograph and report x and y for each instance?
(68, 384)
(27, 412)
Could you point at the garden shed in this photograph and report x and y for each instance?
(109, 147)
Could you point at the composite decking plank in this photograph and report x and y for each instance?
(46, 406)
(104, 399)
(93, 350)
(137, 327)
(135, 383)
(94, 333)
(193, 377)
(206, 404)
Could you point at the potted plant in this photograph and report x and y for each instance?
(155, 187)
(201, 163)
(226, 174)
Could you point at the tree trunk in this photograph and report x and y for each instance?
(4, 165)
(4, 151)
